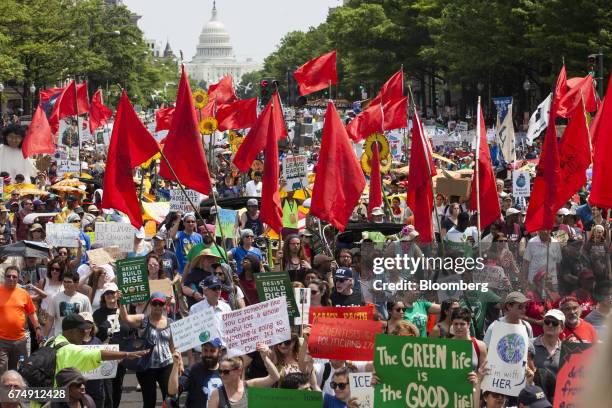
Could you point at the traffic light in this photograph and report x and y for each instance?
(267, 86)
(592, 59)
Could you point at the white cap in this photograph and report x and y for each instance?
(377, 211)
(512, 211)
(557, 314)
(140, 234)
(563, 211)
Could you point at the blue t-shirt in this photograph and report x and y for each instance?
(330, 401)
(239, 253)
(183, 244)
(199, 382)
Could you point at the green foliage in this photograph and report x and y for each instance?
(249, 85)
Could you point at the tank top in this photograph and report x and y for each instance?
(254, 225)
(475, 354)
(224, 401)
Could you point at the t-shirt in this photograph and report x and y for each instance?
(182, 246)
(193, 280)
(239, 253)
(535, 253)
(63, 305)
(169, 263)
(253, 190)
(417, 314)
(332, 402)
(109, 325)
(479, 302)
(584, 331)
(15, 304)
(199, 382)
(354, 299)
(598, 321)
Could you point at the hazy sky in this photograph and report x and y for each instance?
(255, 26)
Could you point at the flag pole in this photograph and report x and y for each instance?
(76, 105)
(382, 187)
(476, 174)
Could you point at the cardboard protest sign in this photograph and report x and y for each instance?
(150, 229)
(62, 235)
(281, 398)
(572, 372)
(178, 201)
(507, 359)
(295, 172)
(265, 322)
(274, 285)
(302, 299)
(521, 186)
(351, 313)
(115, 234)
(103, 256)
(161, 285)
(362, 389)
(67, 166)
(107, 369)
(226, 223)
(193, 330)
(416, 372)
(132, 279)
(343, 339)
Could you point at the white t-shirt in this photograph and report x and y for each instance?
(535, 253)
(320, 369)
(252, 189)
(63, 305)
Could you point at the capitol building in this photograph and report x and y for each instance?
(215, 57)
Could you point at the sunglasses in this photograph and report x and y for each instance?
(400, 309)
(158, 304)
(11, 277)
(287, 342)
(227, 372)
(340, 386)
(551, 322)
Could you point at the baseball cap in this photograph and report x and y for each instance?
(563, 211)
(37, 202)
(75, 321)
(110, 287)
(534, 397)
(92, 208)
(161, 235)
(556, 314)
(67, 376)
(377, 211)
(216, 342)
(73, 218)
(252, 202)
(211, 282)
(35, 227)
(158, 297)
(515, 297)
(512, 211)
(343, 273)
(88, 317)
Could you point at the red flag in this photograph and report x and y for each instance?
(183, 145)
(561, 88)
(222, 92)
(339, 179)
(392, 89)
(317, 74)
(66, 104)
(163, 119)
(237, 115)
(375, 198)
(370, 120)
(131, 144)
(484, 188)
(98, 113)
(39, 138)
(579, 89)
(601, 192)
(256, 140)
(419, 191)
(271, 212)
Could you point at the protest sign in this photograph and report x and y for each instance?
(62, 235)
(295, 172)
(115, 234)
(178, 201)
(107, 369)
(351, 313)
(462, 127)
(362, 389)
(274, 285)
(193, 330)
(506, 359)
(150, 229)
(521, 184)
(161, 285)
(417, 372)
(67, 166)
(572, 372)
(103, 256)
(226, 223)
(265, 322)
(302, 299)
(132, 279)
(281, 398)
(343, 339)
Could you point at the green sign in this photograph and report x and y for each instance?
(419, 372)
(272, 285)
(226, 223)
(281, 398)
(132, 279)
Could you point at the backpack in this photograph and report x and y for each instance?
(39, 369)
(326, 373)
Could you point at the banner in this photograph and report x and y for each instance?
(67, 166)
(507, 359)
(521, 186)
(302, 300)
(351, 312)
(501, 104)
(62, 235)
(281, 398)
(194, 330)
(362, 389)
(132, 279)
(103, 256)
(265, 322)
(295, 172)
(178, 201)
(572, 369)
(226, 223)
(343, 339)
(107, 369)
(271, 285)
(118, 234)
(422, 372)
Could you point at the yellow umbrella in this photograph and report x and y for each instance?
(20, 186)
(69, 189)
(70, 182)
(32, 191)
(297, 194)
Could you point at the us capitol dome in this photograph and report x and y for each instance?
(215, 57)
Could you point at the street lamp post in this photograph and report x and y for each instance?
(32, 90)
(1, 95)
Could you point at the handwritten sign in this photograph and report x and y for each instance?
(362, 389)
(62, 235)
(274, 285)
(295, 172)
(415, 372)
(67, 166)
(107, 369)
(226, 223)
(132, 280)
(343, 339)
(161, 285)
(193, 330)
(178, 201)
(115, 234)
(265, 322)
(351, 313)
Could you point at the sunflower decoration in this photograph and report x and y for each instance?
(208, 126)
(236, 142)
(147, 164)
(383, 145)
(200, 98)
(385, 164)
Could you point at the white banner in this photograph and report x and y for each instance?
(178, 201)
(302, 299)
(295, 172)
(117, 234)
(107, 369)
(362, 389)
(521, 184)
(194, 330)
(265, 322)
(62, 235)
(67, 166)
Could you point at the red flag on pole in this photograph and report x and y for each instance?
(375, 197)
(131, 144)
(222, 92)
(183, 145)
(67, 102)
(339, 179)
(370, 120)
(419, 191)
(271, 212)
(163, 119)
(392, 89)
(39, 138)
(237, 115)
(317, 74)
(601, 133)
(561, 87)
(256, 140)
(484, 187)
(579, 89)
(98, 113)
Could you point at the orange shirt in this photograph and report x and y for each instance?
(14, 306)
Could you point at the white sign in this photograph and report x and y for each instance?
(265, 322)
(67, 166)
(295, 172)
(107, 369)
(521, 186)
(462, 127)
(178, 201)
(506, 359)
(117, 234)
(194, 330)
(63, 235)
(362, 389)
(302, 299)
